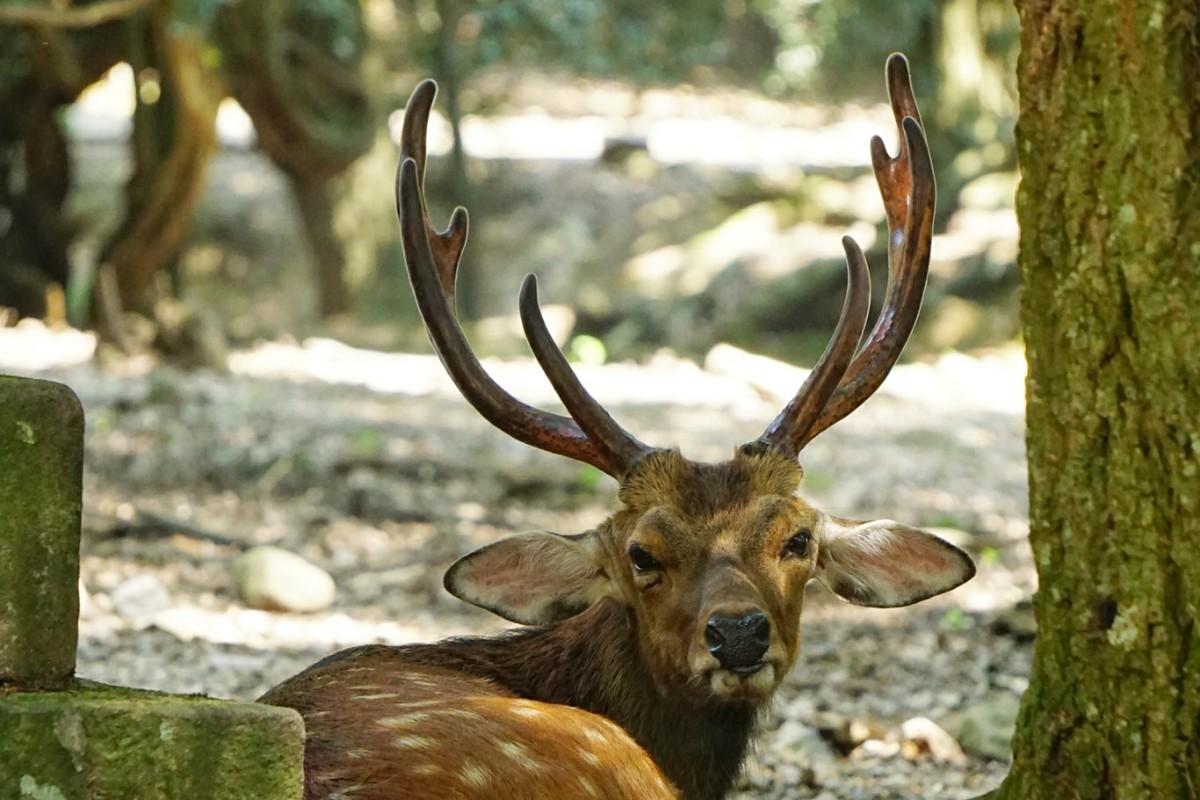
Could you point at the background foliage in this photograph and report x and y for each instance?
(318, 78)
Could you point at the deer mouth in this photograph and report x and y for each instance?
(747, 670)
(750, 682)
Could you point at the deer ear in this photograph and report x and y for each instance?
(885, 564)
(535, 578)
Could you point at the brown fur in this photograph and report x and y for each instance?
(588, 662)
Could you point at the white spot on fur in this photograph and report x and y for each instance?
(421, 703)
(425, 769)
(404, 720)
(474, 774)
(525, 710)
(590, 757)
(596, 735)
(380, 696)
(413, 741)
(520, 755)
(588, 787)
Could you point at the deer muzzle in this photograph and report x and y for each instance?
(738, 641)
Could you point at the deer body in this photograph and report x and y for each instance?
(657, 638)
(509, 706)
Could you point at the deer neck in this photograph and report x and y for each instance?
(592, 661)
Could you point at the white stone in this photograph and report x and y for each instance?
(139, 599)
(274, 579)
(922, 736)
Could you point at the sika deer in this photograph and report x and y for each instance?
(656, 638)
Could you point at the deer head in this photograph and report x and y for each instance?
(711, 559)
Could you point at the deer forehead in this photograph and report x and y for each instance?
(697, 490)
(727, 508)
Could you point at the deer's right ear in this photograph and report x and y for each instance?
(535, 578)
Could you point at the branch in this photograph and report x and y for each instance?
(70, 17)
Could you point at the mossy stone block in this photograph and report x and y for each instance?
(96, 742)
(41, 491)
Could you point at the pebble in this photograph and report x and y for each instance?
(139, 599)
(274, 579)
(921, 736)
(803, 746)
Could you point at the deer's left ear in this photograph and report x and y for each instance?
(535, 578)
(885, 564)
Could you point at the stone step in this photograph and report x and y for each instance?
(98, 741)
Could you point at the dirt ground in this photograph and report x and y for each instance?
(369, 465)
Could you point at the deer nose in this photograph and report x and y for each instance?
(738, 642)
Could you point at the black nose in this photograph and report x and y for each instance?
(738, 642)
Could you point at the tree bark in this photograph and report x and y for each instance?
(174, 137)
(1110, 247)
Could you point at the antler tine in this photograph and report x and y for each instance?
(613, 441)
(907, 186)
(432, 260)
(894, 174)
(446, 246)
(788, 432)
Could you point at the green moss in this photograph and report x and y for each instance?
(1111, 320)
(107, 742)
(41, 485)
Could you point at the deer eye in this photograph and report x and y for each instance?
(799, 544)
(642, 560)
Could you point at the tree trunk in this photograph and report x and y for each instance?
(315, 202)
(1110, 246)
(174, 137)
(295, 68)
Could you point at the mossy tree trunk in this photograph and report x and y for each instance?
(1110, 259)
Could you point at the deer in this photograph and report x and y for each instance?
(651, 645)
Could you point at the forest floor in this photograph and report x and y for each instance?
(369, 465)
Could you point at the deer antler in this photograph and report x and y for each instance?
(838, 385)
(590, 435)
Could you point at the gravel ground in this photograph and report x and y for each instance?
(371, 467)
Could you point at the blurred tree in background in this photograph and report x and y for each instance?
(963, 54)
(292, 65)
(317, 77)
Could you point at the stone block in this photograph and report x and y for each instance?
(96, 741)
(41, 486)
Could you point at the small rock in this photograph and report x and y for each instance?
(844, 734)
(876, 748)
(987, 727)
(921, 737)
(803, 746)
(274, 579)
(861, 730)
(139, 599)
